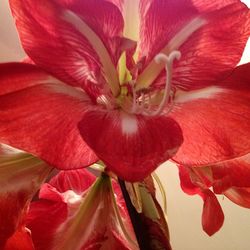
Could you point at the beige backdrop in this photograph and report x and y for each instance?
(183, 211)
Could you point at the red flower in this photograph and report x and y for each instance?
(132, 84)
(72, 214)
(96, 84)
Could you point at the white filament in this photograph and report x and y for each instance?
(140, 107)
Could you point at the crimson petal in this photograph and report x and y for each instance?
(215, 121)
(131, 146)
(39, 115)
(212, 214)
(104, 18)
(208, 35)
(21, 240)
(214, 49)
(54, 39)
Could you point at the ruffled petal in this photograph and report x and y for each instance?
(215, 121)
(131, 146)
(20, 176)
(69, 45)
(39, 115)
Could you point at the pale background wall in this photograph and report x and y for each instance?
(183, 211)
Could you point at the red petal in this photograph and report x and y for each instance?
(132, 146)
(231, 173)
(44, 218)
(104, 18)
(50, 221)
(215, 121)
(186, 183)
(160, 21)
(231, 178)
(77, 180)
(52, 210)
(58, 46)
(216, 46)
(214, 49)
(212, 215)
(21, 240)
(39, 115)
(240, 196)
(20, 176)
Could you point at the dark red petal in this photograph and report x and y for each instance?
(132, 146)
(215, 121)
(58, 46)
(40, 115)
(20, 176)
(212, 215)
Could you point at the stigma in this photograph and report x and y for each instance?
(153, 103)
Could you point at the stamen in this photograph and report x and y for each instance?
(144, 105)
(168, 60)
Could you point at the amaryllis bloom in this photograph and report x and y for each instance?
(131, 83)
(76, 210)
(73, 214)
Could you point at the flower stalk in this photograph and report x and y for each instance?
(138, 225)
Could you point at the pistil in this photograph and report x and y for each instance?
(142, 104)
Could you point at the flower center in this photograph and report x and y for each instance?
(146, 101)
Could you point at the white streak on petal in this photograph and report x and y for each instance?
(128, 123)
(183, 35)
(205, 93)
